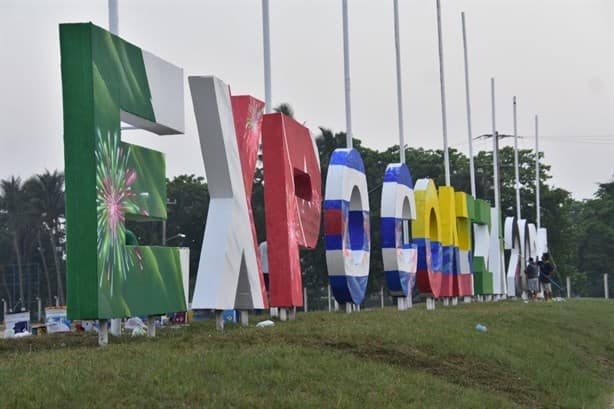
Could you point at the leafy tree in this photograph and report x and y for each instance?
(595, 244)
(188, 198)
(45, 193)
(12, 202)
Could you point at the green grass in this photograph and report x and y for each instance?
(558, 355)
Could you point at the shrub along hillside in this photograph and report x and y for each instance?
(558, 355)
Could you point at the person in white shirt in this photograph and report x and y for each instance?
(264, 260)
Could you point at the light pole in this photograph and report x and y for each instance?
(495, 150)
(537, 178)
(113, 17)
(516, 171)
(442, 86)
(468, 104)
(266, 46)
(397, 46)
(346, 75)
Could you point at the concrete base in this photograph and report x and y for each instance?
(446, 301)
(467, 300)
(430, 303)
(219, 320)
(283, 314)
(244, 317)
(348, 308)
(151, 326)
(103, 333)
(292, 313)
(115, 327)
(454, 300)
(274, 312)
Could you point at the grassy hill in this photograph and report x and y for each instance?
(557, 355)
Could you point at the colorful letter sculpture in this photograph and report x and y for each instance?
(495, 255)
(106, 80)
(449, 240)
(427, 236)
(541, 242)
(399, 255)
(464, 279)
(511, 239)
(293, 196)
(346, 226)
(247, 112)
(228, 273)
(483, 278)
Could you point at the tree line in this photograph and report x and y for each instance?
(32, 224)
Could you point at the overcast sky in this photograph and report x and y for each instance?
(557, 56)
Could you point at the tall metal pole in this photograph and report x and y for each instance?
(444, 125)
(537, 181)
(113, 17)
(346, 75)
(468, 103)
(266, 44)
(397, 45)
(516, 163)
(495, 149)
(113, 28)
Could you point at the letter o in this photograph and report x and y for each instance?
(398, 204)
(346, 226)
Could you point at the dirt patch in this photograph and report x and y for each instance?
(457, 369)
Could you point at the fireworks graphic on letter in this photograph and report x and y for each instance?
(254, 116)
(114, 197)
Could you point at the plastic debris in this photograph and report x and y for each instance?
(481, 328)
(134, 322)
(264, 324)
(138, 332)
(89, 326)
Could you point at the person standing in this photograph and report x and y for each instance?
(532, 278)
(546, 276)
(264, 260)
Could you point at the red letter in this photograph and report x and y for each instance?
(293, 196)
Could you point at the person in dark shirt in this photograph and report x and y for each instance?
(532, 278)
(546, 275)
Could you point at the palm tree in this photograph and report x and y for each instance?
(46, 196)
(13, 213)
(5, 256)
(284, 108)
